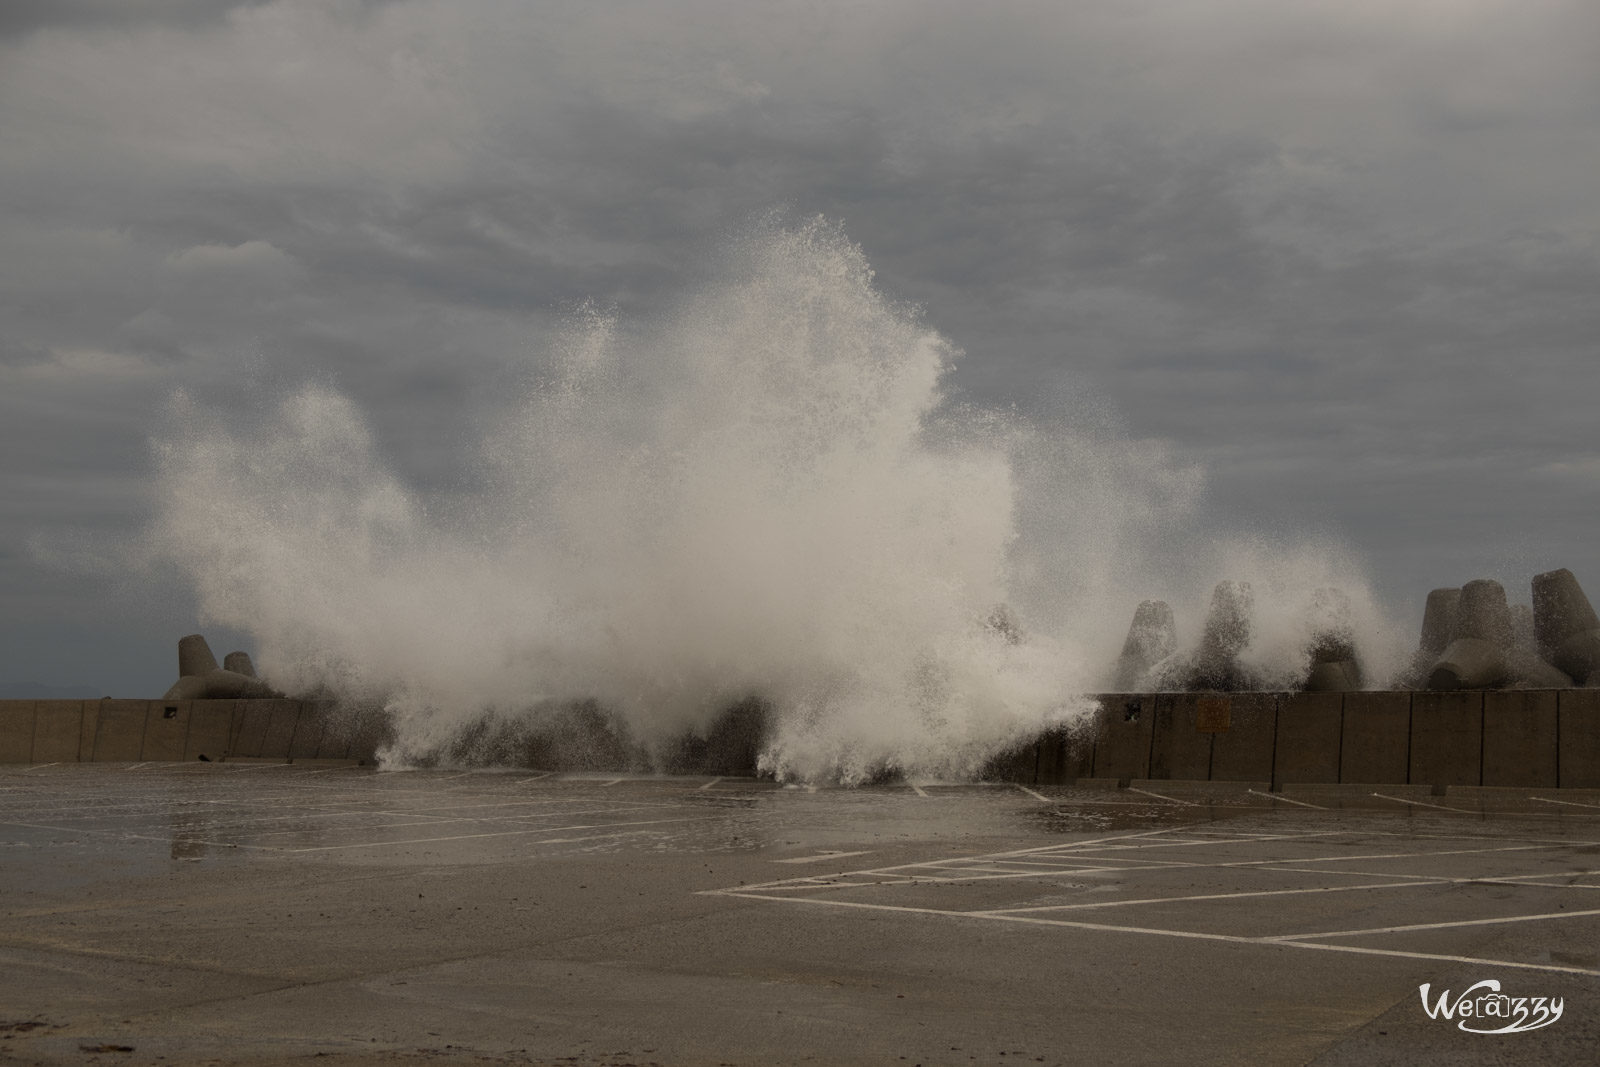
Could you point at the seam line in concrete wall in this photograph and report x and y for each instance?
(294, 732)
(1484, 725)
(1272, 760)
(1558, 740)
(1094, 749)
(1338, 772)
(1155, 727)
(235, 726)
(1411, 713)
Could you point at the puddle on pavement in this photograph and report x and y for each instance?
(1074, 820)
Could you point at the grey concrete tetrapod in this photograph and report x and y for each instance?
(1152, 637)
(1227, 634)
(1332, 649)
(239, 663)
(1477, 658)
(199, 677)
(194, 656)
(1530, 670)
(1565, 624)
(1439, 622)
(1438, 630)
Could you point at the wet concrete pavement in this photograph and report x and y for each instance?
(258, 912)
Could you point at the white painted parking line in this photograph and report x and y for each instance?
(614, 781)
(823, 856)
(39, 767)
(1493, 921)
(920, 791)
(1567, 803)
(1211, 896)
(1481, 964)
(1425, 804)
(1031, 793)
(535, 778)
(1153, 932)
(1158, 796)
(708, 785)
(1286, 800)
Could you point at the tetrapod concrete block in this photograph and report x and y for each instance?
(210, 724)
(16, 731)
(166, 730)
(1179, 748)
(56, 725)
(1469, 663)
(1152, 637)
(1439, 617)
(1229, 625)
(1375, 738)
(1122, 731)
(1565, 624)
(1446, 739)
(195, 656)
(1579, 723)
(1242, 750)
(1483, 613)
(1560, 609)
(1519, 738)
(1308, 738)
(119, 730)
(1477, 657)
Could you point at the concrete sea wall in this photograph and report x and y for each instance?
(1531, 738)
(67, 731)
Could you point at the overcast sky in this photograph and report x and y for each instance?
(1344, 256)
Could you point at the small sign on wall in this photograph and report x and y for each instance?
(1211, 714)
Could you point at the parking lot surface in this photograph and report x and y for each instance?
(271, 912)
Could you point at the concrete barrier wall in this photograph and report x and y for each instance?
(1519, 739)
(1309, 738)
(1244, 750)
(1122, 730)
(133, 731)
(1375, 738)
(1544, 738)
(1446, 742)
(1578, 738)
(1528, 739)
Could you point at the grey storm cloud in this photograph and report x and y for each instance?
(1342, 255)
